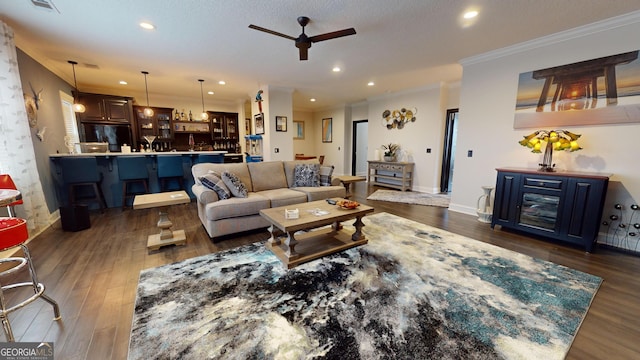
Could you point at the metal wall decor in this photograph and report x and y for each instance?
(396, 119)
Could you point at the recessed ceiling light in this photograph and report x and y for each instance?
(370, 83)
(147, 25)
(337, 69)
(210, 92)
(122, 82)
(221, 82)
(312, 99)
(470, 14)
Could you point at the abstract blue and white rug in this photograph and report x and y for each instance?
(412, 292)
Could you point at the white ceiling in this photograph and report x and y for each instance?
(399, 44)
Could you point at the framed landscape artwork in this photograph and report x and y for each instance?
(599, 91)
(259, 123)
(298, 128)
(326, 130)
(281, 123)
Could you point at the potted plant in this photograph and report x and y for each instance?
(390, 151)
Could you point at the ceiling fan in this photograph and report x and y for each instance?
(303, 42)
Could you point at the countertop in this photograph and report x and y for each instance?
(109, 154)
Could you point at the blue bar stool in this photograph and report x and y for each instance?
(132, 170)
(211, 158)
(170, 168)
(82, 172)
(13, 233)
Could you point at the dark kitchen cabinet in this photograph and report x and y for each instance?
(565, 206)
(224, 131)
(158, 125)
(105, 108)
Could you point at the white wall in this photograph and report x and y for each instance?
(307, 145)
(487, 103)
(414, 139)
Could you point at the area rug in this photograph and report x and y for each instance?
(411, 197)
(412, 292)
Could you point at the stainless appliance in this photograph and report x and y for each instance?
(114, 134)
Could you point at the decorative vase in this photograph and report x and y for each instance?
(389, 158)
(485, 205)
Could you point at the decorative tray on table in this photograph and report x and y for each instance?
(347, 204)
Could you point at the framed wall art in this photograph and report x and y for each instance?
(298, 128)
(281, 123)
(259, 123)
(327, 136)
(591, 92)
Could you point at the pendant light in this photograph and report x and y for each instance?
(204, 116)
(77, 107)
(148, 112)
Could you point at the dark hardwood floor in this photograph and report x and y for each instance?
(93, 275)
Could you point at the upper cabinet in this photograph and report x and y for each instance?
(105, 108)
(225, 126)
(158, 125)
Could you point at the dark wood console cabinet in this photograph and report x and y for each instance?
(565, 206)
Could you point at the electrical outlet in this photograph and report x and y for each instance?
(469, 153)
(276, 150)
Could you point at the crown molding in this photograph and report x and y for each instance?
(581, 31)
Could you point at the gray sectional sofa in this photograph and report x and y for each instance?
(269, 184)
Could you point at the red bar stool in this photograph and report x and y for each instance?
(13, 232)
(7, 183)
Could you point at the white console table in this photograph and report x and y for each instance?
(397, 175)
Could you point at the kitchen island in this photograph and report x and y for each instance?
(108, 167)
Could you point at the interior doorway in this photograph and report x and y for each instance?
(360, 147)
(448, 153)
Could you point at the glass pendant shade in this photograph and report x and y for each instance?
(148, 112)
(204, 115)
(79, 108)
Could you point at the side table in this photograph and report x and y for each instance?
(163, 201)
(347, 180)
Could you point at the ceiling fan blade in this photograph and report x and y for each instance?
(333, 35)
(255, 27)
(304, 53)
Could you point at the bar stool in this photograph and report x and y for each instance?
(79, 172)
(13, 233)
(132, 170)
(211, 158)
(170, 168)
(7, 183)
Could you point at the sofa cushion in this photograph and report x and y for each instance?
(322, 192)
(289, 168)
(236, 207)
(239, 169)
(325, 175)
(283, 197)
(307, 175)
(267, 175)
(216, 184)
(237, 187)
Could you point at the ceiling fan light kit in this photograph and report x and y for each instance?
(303, 42)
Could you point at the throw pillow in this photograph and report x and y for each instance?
(238, 189)
(325, 175)
(216, 184)
(306, 175)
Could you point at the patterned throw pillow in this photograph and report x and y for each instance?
(325, 175)
(306, 175)
(238, 189)
(216, 184)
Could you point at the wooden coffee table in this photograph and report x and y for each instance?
(310, 245)
(163, 201)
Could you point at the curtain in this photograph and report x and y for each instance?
(17, 157)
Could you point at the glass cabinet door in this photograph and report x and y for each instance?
(539, 210)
